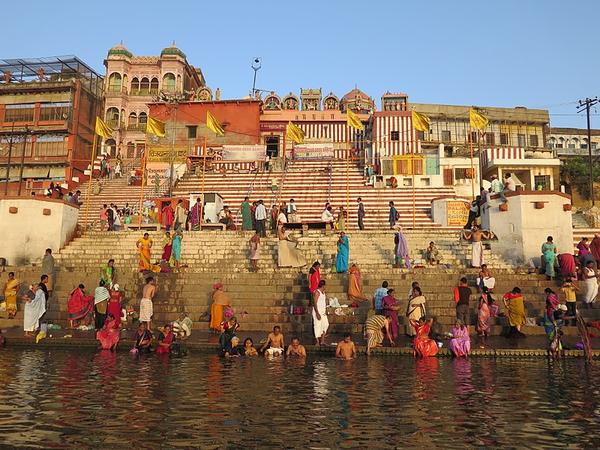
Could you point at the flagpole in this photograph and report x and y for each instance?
(347, 181)
(204, 152)
(472, 171)
(412, 165)
(87, 194)
(143, 167)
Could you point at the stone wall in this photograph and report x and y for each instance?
(30, 225)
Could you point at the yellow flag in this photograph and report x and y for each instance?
(420, 121)
(155, 127)
(478, 120)
(353, 121)
(295, 133)
(213, 124)
(102, 129)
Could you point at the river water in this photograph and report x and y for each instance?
(86, 399)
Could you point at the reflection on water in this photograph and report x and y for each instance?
(82, 399)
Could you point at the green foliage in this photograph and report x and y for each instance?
(576, 172)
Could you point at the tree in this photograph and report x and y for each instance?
(576, 173)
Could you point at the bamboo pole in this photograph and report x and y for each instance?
(347, 182)
(87, 194)
(143, 167)
(473, 170)
(204, 153)
(414, 200)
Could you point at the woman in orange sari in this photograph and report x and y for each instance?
(423, 346)
(110, 333)
(221, 301)
(10, 294)
(144, 246)
(355, 285)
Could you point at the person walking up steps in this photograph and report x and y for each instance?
(361, 214)
(393, 216)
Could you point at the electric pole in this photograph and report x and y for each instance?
(587, 105)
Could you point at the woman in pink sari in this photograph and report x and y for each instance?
(165, 339)
(460, 343)
(110, 333)
(390, 310)
(484, 313)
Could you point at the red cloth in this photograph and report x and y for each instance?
(114, 305)
(110, 334)
(595, 248)
(168, 215)
(79, 305)
(422, 344)
(566, 262)
(314, 280)
(168, 339)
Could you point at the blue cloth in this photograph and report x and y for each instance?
(343, 254)
(176, 249)
(548, 250)
(392, 216)
(378, 297)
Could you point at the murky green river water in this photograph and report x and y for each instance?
(85, 399)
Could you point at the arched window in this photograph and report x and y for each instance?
(135, 86)
(169, 82)
(122, 119)
(142, 120)
(125, 84)
(112, 117)
(114, 82)
(145, 86)
(179, 86)
(154, 86)
(133, 121)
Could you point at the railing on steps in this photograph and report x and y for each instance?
(329, 182)
(238, 213)
(277, 194)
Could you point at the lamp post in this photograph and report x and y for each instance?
(10, 144)
(22, 160)
(256, 65)
(586, 105)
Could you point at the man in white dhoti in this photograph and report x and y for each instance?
(475, 236)
(35, 307)
(146, 305)
(319, 313)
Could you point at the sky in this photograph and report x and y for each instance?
(534, 53)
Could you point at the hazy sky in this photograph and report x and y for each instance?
(487, 53)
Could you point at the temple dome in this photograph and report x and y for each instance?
(354, 94)
(173, 50)
(120, 50)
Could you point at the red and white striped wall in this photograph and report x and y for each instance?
(337, 132)
(501, 153)
(384, 123)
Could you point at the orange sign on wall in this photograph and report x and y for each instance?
(457, 213)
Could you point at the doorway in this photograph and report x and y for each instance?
(272, 143)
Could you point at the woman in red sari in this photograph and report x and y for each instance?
(165, 339)
(423, 346)
(114, 303)
(110, 333)
(314, 276)
(80, 306)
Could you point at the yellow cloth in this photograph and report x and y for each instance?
(216, 316)
(569, 293)
(102, 129)
(420, 121)
(294, 133)
(516, 311)
(214, 125)
(477, 120)
(155, 127)
(144, 246)
(10, 295)
(353, 121)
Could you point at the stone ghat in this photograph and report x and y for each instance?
(263, 300)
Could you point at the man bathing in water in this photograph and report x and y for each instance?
(296, 349)
(275, 343)
(146, 306)
(346, 349)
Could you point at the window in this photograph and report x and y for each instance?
(130, 150)
(142, 120)
(272, 146)
(135, 86)
(542, 182)
(154, 86)
(192, 131)
(446, 136)
(464, 173)
(503, 138)
(133, 121)
(58, 111)
(21, 112)
(112, 117)
(145, 86)
(114, 82)
(489, 138)
(593, 145)
(473, 137)
(420, 135)
(51, 145)
(395, 135)
(169, 82)
(521, 140)
(533, 140)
